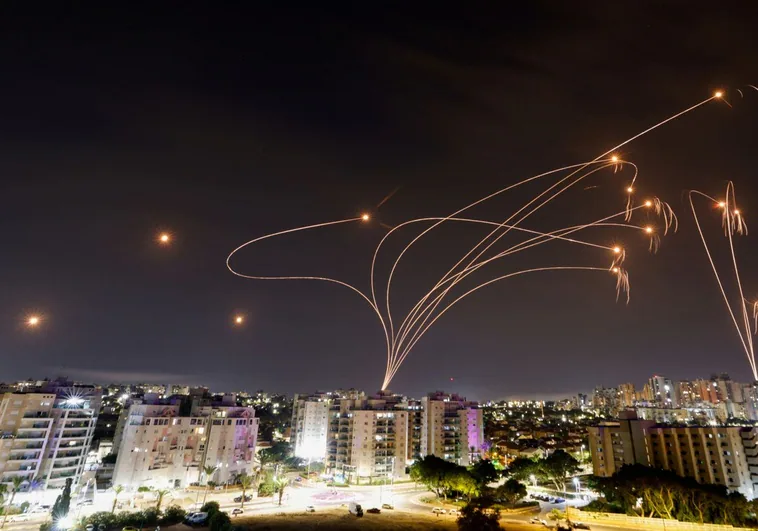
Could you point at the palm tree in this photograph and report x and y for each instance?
(160, 493)
(245, 481)
(116, 490)
(208, 471)
(16, 484)
(279, 485)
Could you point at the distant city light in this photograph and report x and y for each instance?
(718, 94)
(614, 158)
(164, 238)
(33, 320)
(649, 230)
(365, 217)
(617, 250)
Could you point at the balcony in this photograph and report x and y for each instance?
(39, 426)
(65, 466)
(26, 448)
(31, 436)
(37, 415)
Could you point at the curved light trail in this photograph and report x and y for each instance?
(401, 340)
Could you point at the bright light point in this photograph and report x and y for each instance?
(365, 217)
(718, 94)
(615, 269)
(614, 158)
(164, 237)
(617, 250)
(649, 230)
(736, 212)
(239, 319)
(648, 203)
(722, 204)
(630, 189)
(33, 320)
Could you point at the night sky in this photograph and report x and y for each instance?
(223, 125)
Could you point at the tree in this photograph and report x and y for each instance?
(433, 473)
(116, 491)
(484, 472)
(522, 468)
(159, 495)
(461, 480)
(279, 485)
(16, 483)
(220, 520)
(63, 502)
(511, 491)
(558, 467)
(245, 481)
(555, 515)
(474, 518)
(208, 471)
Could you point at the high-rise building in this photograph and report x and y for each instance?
(166, 443)
(368, 437)
(626, 395)
(310, 425)
(721, 455)
(47, 432)
(605, 399)
(452, 428)
(663, 391)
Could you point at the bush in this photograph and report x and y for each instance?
(602, 506)
(265, 490)
(107, 519)
(211, 508)
(46, 526)
(144, 489)
(220, 521)
(173, 515)
(24, 506)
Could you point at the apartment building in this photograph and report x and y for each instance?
(162, 445)
(451, 428)
(310, 425)
(368, 438)
(720, 455)
(626, 395)
(46, 432)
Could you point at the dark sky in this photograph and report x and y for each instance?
(221, 125)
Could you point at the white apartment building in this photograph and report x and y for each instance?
(160, 448)
(368, 439)
(310, 425)
(451, 428)
(46, 434)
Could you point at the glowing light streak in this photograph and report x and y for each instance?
(733, 223)
(421, 318)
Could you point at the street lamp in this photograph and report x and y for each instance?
(577, 486)
(582, 447)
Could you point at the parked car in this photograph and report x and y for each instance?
(439, 510)
(387, 506)
(310, 509)
(196, 518)
(534, 520)
(238, 499)
(90, 527)
(560, 500)
(237, 511)
(454, 512)
(581, 525)
(373, 510)
(355, 508)
(129, 528)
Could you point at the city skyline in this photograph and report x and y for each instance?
(131, 169)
